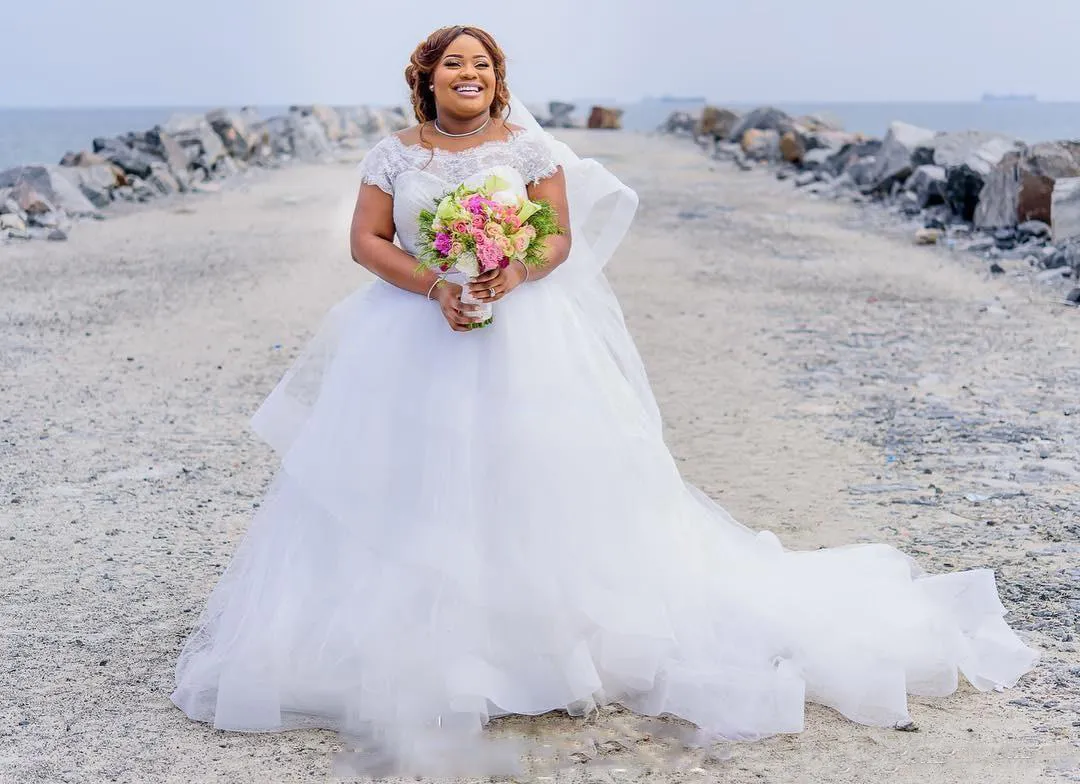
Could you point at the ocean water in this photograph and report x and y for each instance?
(44, 135)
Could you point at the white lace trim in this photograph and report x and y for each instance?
(391, 157)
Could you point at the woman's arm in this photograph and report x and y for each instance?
(553, 190)
(371, 240)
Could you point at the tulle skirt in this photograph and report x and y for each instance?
(473, 524)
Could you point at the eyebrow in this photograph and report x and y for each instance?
(461, 56)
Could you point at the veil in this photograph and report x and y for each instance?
(601, 211)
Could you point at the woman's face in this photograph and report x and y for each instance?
(464, 79)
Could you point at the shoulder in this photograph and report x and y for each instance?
(382, 163)
(533, 154)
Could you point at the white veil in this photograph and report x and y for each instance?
(601, 211)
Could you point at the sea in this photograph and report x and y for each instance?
(44, 135)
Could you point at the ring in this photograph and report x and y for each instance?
(491, 293)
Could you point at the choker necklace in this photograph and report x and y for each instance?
(462, 135)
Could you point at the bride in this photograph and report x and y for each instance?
(477, 522)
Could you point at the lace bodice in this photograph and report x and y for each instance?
(415, 176)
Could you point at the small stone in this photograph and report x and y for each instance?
(57, 235)
(1073, 297)
(996, 269)
(927, 236)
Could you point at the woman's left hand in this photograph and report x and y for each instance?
(495, 284)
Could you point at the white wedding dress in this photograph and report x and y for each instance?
(473, 524)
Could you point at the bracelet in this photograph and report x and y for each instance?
(525, 267)
(438, 280)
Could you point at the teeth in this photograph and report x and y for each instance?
(467, 89)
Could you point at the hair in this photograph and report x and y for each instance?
(426, 57)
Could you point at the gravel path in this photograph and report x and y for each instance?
(820, 379)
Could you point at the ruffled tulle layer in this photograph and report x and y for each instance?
(467, 525)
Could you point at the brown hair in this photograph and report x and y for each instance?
(426, 57)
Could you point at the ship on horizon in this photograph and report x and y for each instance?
(1012, 97)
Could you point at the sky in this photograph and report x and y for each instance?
(276, 52)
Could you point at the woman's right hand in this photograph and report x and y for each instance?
(457, 314)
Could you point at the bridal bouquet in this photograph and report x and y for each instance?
(475, 230)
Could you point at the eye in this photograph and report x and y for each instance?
(482, 64)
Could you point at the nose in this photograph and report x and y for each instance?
(468, 71)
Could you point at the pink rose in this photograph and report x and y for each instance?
(478, 221)
(493, 229)
(489, 256)
(460, 227)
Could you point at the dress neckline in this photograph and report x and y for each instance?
(514, 135)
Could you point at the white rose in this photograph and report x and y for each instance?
(506, 198)
(468, 264)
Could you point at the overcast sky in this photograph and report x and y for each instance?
(271, 52)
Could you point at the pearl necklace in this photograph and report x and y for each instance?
(462, 135)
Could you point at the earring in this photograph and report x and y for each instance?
(431, 87)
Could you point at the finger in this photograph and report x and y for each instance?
(489, 275)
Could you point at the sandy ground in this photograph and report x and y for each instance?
(828, 382)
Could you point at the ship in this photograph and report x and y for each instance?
(1009, 97)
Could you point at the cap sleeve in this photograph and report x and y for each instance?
(535, 160)
(377, 167)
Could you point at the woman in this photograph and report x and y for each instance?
(474, 522)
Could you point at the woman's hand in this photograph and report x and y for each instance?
(457, 314)
(495, 284)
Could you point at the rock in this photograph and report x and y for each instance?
(894, 159)
(327, 117)
(162, 179)
(863, 172)
(819, 121)
(561, 114)
(46, 220)
(119, 152)
(792, 147)
(1033, 228)
(172, 152)
(766, 118)
(968, 147)
(1065, 209)
(307, 138)
(1021, 185)
(927, 183)
(816, 158)
(39, 189)
(761, 145)
(13, 222)
(805, 179)
(605, 118)
(84, 158)
(716, 122)
(962, 191)
(927, 236)
(851, 153)
(996, 269)
(201, 144)
(239, 141)
(57, 235)
(95, 182)
(1073, 297)
(681, 123)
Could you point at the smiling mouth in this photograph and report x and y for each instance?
(468, 89)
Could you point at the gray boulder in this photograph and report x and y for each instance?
(816, 158)
(895, 158)
(118, 151)
(978, 150)
(1065, 208)
(162, 180)
(765, 118)
(927, 184)
(39, 189)
(201, 144)
(560, 114)
(680, 124)
(1020, 188)
(239, 140)
(95, 182)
